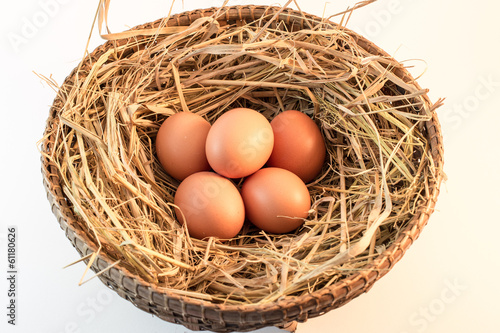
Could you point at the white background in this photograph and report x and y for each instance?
(447, 281)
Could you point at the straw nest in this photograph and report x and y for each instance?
(379, 174)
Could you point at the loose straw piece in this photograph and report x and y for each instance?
(163, 257)
(343, 207)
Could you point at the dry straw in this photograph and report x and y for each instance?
(376, 191)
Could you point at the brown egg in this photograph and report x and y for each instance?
(276, 200)
(239, 143)
(180, 144)
(298, 145)
(210, 206)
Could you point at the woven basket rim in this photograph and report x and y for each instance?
(351, 286)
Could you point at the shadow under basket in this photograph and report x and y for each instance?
(74, 140)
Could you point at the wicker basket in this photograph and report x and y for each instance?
(198, 314)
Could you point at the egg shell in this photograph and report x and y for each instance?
(210, 206)
(180, 144)
(276, 200)
(239, 143)
(298, 145)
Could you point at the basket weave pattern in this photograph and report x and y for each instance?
(203, 315)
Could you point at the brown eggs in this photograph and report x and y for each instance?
(298, 145)
(180, 144)
(276, 200)
(210, 206)
(239, 143)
